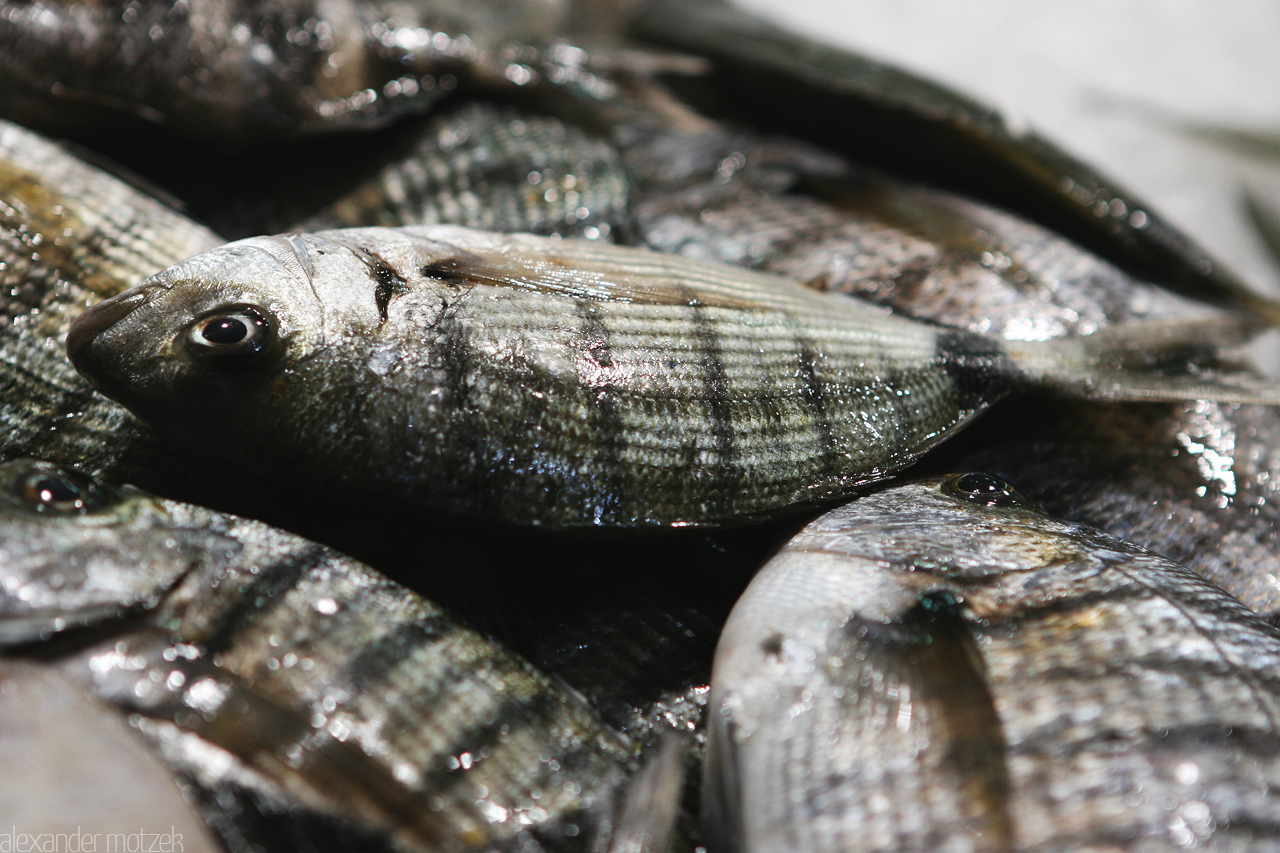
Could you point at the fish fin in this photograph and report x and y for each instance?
(646, 817)
(1152, 360)
(905, 699)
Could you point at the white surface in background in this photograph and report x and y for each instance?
(1081, 71)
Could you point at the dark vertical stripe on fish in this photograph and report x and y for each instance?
(815, 398)
(608, 424)
(976, 365)
(260, 595)
(380, 657)
(503, 721)
(717, 382)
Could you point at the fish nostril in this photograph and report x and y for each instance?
(101, 317)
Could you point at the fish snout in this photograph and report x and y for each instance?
(86, 331)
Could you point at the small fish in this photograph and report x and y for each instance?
(942, 666)
(273, 665)
(567, 383)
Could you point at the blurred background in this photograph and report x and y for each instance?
(1177, 100)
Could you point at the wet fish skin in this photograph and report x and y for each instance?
(70, 235)
(1195, 482)
(926, 132)
(781, 205)
(241, 71)
(273, 657)
(941, 665)
(482, 164)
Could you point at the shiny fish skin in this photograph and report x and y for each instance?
(563, 383)
(241, 71)
(941, 665)
(350, 695)
(71, 234)
(777, 204)
(927, 132)
(482, 165)
(1195, 482)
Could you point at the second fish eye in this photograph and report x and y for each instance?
(61, 492)
(984, 489)
(232, 334)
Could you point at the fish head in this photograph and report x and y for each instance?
(207, 343)
(75, 551)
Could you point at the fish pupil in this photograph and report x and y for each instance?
(984, 489)
(225, 331)
(48, 491)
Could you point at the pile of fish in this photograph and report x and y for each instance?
(452, 427)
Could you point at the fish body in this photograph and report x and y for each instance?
(563, 383)
(243, 71)
(940, 665)
(70, 235)
(274, 664)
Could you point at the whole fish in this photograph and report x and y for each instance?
(70, 235)
(566, 383)
(263, 665)
(244, 71)
(942, 666)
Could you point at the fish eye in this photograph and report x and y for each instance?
(232, 335)
(984, 489)
(58, 491)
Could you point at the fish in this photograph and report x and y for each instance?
(880, 115)
(274, 668)
(244, 72)
(481, 164)
(1194, 482)
(71, 234)
(565, 383)
(774, 203)
(942, 665)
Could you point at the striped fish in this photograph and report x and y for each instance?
(262, 665)
(942, 666)
(70, 235)
(567, 383)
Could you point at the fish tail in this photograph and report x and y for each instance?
(1153, 360)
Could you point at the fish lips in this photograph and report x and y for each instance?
(92, 347)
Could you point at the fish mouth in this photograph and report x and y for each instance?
(87, 328)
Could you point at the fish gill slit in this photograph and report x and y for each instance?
(387, 283)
